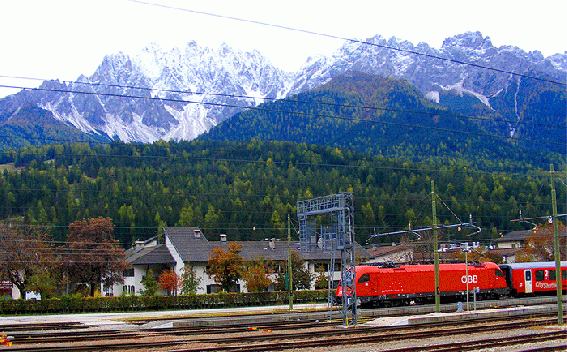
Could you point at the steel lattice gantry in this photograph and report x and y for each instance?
(340, 207)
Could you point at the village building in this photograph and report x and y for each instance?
(188, 247)
(513, 239)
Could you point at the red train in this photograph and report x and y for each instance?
(533, 277)
(400, 285)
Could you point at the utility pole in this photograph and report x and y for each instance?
(556, 250)
(435, 248)
(289, 266)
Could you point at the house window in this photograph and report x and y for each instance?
(128, 289)
(128, 273)
(214, 288)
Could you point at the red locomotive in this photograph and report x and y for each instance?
(399, 285)
(533, 277)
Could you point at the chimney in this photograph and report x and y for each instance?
(272, 243)
(223, 237)
(197, 233)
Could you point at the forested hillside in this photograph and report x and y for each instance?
(17, 131)
(390, 117)
(247, 189)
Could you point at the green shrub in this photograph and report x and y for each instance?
(127, 303)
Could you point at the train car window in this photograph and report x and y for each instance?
(552, 275)
(498, 272)
(539, 275)
(564, 274)
(364, 278)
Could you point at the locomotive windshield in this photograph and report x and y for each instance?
(364, 278)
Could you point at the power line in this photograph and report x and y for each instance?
(287, 99)
(365, 162)
(459, 62)
(338, 117)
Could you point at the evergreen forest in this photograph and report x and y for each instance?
(247, 189)
(390, 117)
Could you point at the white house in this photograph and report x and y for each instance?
(187, 246)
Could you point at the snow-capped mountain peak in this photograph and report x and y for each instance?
(183, 92)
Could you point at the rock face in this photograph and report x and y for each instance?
(421, 65)
(159, 95)
(184, 92)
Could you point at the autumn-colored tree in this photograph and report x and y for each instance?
(256, 275)
(226, 267)
(539, 245)
(169, 281)
(494, 257)
(189, 281)
(24, 250)
(94, 256)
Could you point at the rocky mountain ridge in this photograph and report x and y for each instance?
(180, 94)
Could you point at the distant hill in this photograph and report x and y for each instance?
(389, 117)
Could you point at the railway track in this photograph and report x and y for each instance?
(74, 325)
(255, 340)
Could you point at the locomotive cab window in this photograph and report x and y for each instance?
(498, 273)
(364, 278)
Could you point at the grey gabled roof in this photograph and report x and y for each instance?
(194, 247)
(189, 242)
(254, 250)
(150, 255)
(515, 236)
(521, 235)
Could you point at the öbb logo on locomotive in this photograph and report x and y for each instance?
(473, 279)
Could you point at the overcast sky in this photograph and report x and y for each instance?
(62, 39)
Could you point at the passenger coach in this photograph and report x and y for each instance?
(533, 277)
